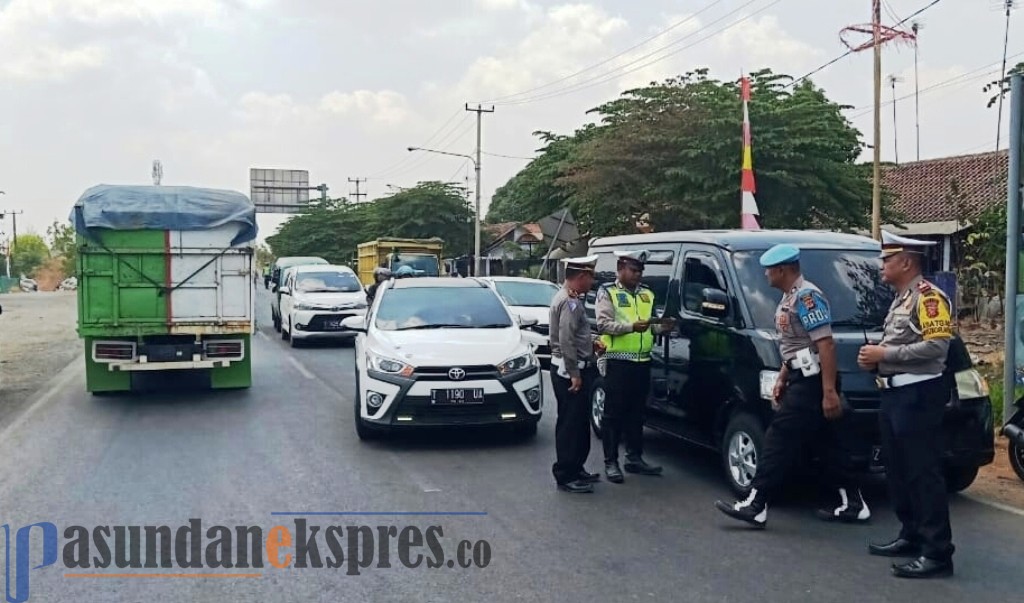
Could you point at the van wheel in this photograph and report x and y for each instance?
(959, 478)
(597, 397)
(1016, 452)
(742, 446)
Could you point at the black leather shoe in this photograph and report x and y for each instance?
(640, 466)
(613, 473)
(590, 478)
(923, 567)
(576, 487)
(897, 548)
(753, 512)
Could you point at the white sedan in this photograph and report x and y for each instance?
(315, 299)
(529, 298)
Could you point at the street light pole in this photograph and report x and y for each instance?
(476, 214)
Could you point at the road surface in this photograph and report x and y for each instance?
(288, 446)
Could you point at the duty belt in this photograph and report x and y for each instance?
(631, 356)
(902, 379)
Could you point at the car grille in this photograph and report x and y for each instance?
(440, 373)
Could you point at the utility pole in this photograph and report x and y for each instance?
(876, 185)
(917, 26)
(357, 194)
(1009, 5)
(13, 247)
(476, 225)
(895, 131)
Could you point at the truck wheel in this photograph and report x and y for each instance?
(959, 478)
(742, 446)
(1016, 458)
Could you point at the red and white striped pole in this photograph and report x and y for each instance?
(749, 212)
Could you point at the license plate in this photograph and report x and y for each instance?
(457, 396)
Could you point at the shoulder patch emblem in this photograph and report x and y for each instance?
(644, 297)
(934, 316)
(813, 310)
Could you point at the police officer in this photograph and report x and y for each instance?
(806, 398)
(572, 375)
(624, 310)
(909, 364)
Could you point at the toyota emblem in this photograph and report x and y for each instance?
(456, 374)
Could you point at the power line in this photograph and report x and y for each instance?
(406, 158)
(671, 27)
(851, 51)
(428, 157)
(509, 156)
(621, 71)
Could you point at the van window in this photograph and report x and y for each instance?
(700, 271)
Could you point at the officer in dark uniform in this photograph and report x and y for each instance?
(623, 311)
(573, 370)
(380, 275)
(909, 364)
(806, 398)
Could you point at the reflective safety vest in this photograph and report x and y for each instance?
(630, 308)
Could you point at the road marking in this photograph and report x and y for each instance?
(70, 372)
(413, 475)
(993, 504)
(298, 365)
(262, 334)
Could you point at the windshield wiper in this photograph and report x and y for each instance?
(496, 325)
(433, 326)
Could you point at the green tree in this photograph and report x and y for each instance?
(1000, 88)
(63, 245)
(264, 257)
(30, 252)
(672, 151)
(429, 209)
(331, 229)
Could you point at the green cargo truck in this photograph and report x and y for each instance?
(165, 283)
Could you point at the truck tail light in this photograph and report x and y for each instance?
(230, 349)
(113, 351)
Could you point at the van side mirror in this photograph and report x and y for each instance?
(355, 323)
(715, 303)
(284, 290)
(526, 322)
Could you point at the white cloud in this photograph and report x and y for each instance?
(384, 106)
(764, 41)
(501, 4)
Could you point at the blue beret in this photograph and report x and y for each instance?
(780, 254)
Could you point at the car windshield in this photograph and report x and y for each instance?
(524, 293)
(424, 265)
(327, 281)
(850, 279)
(441, 307)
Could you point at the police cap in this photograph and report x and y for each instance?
(893, 244)
(584, 264)
(636, 257)
(779, 255)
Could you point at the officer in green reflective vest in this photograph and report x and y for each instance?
(624, 309)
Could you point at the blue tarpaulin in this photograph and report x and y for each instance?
(164, 208)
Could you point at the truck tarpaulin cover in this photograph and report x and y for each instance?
(164, 208)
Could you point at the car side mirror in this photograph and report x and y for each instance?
(355, 323)
(525, 322)
(284, 290)
(715, 303)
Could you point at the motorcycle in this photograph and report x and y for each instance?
(28, 285)
(69, 284)
(1014, 432)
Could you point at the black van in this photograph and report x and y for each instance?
(712, 378)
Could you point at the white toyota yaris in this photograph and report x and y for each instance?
(443, 352)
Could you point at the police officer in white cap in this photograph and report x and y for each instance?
(806, 399)
(623, 311)
(909, 364)
(573, 370)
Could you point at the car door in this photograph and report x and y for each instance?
(287, 297)
(697, 360)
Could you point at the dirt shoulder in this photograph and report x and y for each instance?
(37, 340)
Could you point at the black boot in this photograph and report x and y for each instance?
(636, 464)
(851, 508)
(753, 510)
(613, 472)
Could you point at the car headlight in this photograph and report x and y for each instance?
(768, 379)
(970, 385)
(517, 364)
(306, 306)
(387, 365)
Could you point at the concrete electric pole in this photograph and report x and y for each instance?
(876, 184)
(476, 230)
(357, 194)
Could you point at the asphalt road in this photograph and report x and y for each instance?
(288, 445)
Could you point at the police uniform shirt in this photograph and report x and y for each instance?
(802, 318)
(604, 308)
(917, 331)
(570, 336)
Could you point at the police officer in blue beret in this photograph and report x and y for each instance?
(805, 398)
